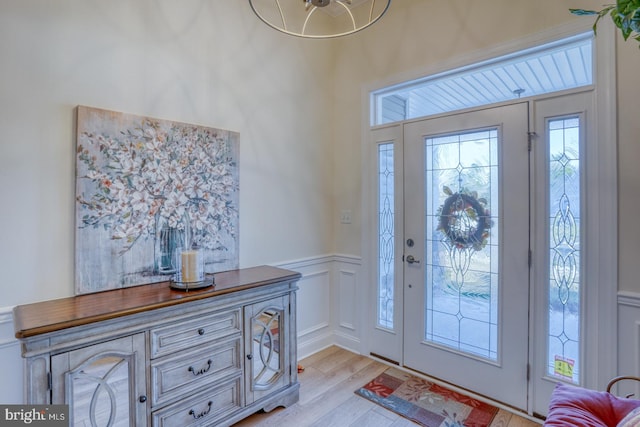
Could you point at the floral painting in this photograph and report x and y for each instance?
(146, 187)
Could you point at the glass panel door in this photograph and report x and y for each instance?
(466, 287)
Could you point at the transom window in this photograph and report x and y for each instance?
(552, 67)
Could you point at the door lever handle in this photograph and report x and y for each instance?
(412, 260)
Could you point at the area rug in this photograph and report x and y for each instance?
(430, 404)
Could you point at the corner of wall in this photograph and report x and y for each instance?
(327, 301)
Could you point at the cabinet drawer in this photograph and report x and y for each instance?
(194, 332)
(204, 409)
(186, 372)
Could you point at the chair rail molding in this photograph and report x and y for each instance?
(328, 308)
(629, 298)
(7, 339)
(11, 387)
(628, 340)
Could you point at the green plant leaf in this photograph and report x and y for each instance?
(625, 14)
(634, 20)
(626, 7)
(583, 12)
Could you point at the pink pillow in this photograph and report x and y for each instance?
(581, 407)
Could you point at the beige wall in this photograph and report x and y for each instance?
(298, 105)
(208, 62)
(418, 36)
(628, 166)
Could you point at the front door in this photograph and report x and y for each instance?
(466, 250)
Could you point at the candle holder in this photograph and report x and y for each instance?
(189, 267)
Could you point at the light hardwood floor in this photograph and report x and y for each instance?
(327, 397)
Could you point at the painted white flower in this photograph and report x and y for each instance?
(149, 172)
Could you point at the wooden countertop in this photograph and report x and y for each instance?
(50, 316)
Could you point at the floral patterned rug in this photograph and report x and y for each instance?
(430, 404)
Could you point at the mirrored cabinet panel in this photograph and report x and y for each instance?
(103, 384)
(266, 348)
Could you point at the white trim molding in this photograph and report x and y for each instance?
(327, 300)
(604, 308)
(11, 386)
(7, 338)
(628, 340)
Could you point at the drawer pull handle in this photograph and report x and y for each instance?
(201, 371)
(142, 399)
(201, 331)
(201, 414)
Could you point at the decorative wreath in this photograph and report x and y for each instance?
(464, 220)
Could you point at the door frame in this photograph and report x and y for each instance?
(602, 345)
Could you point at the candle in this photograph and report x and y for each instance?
(190, 271)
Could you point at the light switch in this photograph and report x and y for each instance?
(345, 216)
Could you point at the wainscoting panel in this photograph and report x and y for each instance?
(11, 386)
(347, 299)
(328, 303)
(314, 304)
(629, 341)
(348, 304)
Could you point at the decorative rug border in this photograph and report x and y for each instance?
(429, 404)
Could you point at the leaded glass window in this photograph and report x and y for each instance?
(386, 234)
(461, 175)
(564, 249)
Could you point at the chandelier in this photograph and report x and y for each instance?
(319, 19)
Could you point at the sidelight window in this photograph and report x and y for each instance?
(564, 248)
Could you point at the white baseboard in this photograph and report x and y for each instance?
(309, 346)
(349, 342)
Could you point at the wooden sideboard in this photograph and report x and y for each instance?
(151, 355)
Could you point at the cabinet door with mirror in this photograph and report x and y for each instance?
(267, 349)
(103, 384)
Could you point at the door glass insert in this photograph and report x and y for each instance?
(564, 249)
(461, 247)
(386, 235)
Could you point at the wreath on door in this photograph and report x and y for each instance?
(465, 220)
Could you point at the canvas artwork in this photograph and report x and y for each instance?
(145, 187)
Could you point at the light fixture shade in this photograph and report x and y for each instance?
(319, 19)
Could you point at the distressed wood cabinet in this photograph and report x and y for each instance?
(150, 355)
